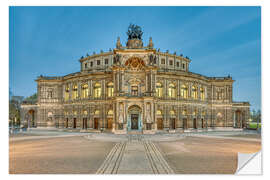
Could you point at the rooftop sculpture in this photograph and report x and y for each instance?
(134, 32)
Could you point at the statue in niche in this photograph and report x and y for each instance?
(121, 113)
(148, 114)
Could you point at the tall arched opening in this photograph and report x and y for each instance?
(134, 118)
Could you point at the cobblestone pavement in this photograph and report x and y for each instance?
(92, 153)
(65, 155)
(198, 155)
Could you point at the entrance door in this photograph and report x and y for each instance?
(172, 123)
(185, 123)
(67, 123)
(84, 123)
(159, 123)
(96, 123)
(134, 121)
(109, 123)
(202, 124)
(74, 123)
(195, 123)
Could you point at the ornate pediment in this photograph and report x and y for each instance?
(135, 63)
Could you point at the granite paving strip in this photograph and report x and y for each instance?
(159, 164)
(135, 156)
(113, 159)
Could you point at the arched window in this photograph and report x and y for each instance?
(172, 112)
(97, 112)
(184, 91)
(75, 92)
(97, 90)
(184, 112)
(110, 112)
(110, 89)
(67, 93)
(171, 90)
(195, 112)
(159, 90)
(85, 91)
(202, 93)
(194, 92)
(159, 112)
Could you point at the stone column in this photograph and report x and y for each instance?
(178, 89)
(114, 118)
(146, 81)
(199, 91)
(103, 88)
(70, 91)
(189, 90)
(79, 89)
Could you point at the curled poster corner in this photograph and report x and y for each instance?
(249, 164)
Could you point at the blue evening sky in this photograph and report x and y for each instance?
(219, 40)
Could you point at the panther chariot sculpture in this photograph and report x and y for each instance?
(134, 37)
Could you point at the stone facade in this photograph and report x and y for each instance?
(135, 88)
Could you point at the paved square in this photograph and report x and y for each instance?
(71, 153)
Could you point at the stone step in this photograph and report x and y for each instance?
(134, 132)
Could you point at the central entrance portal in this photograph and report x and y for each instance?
(134, 121)
(134, 118)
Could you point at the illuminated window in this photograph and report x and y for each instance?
(67, 93)
(194, 112)
(159, 112)
(110, 89)
(184, 112)
(184, 91)
(171, 90)
(159, 90)
(172, 112)
(202, 93)
(134, 90)
(110, 112)
(97, 90)
(85, 112)
(97, 112)
(75, 92)
(85, 91)
(194, 93)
